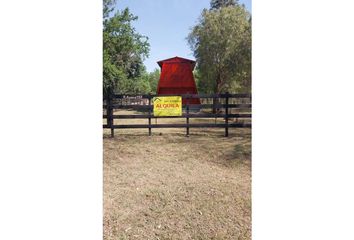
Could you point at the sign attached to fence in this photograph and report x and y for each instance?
(167, 106)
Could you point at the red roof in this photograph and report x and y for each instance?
(177, 77)
(177, 60)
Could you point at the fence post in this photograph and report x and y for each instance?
(227, 115)
(149, 114)
(187, 117)
(214, 108)
(110, 113)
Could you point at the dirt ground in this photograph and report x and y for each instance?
(169, 186)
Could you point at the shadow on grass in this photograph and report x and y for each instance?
(195, 134)
(240, 155)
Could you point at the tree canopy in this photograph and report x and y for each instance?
(216, 4)
(123, 52)
(221, 42)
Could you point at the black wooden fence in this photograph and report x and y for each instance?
(226, 106)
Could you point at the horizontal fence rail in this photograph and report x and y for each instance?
(218, 105)
(147, 107)
(220, 95)
(176, 125)
(202, 115)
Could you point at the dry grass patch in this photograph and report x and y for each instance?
(172, 187)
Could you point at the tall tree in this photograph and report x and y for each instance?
(123, 51)
(221, 43)
(216, 4)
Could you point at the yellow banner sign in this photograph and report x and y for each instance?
(167, 106)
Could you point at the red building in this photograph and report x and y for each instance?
(177, 78)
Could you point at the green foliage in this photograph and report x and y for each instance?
(201, 86)
(142, 85)
(111, 74)
(123, 52)
(154, 78)
(216, 4)
(108, 7)
(221, 43)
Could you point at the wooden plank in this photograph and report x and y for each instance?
(110, 114)
(191, 125)
(221, 95)
(240, 125)
(240, 115)
(191, 115)
(149, 116)
(227, 116)
(147, 107)
(242, 105)
(135, 107)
